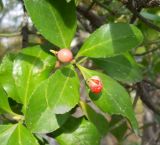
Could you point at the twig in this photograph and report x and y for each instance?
(25, 31)
(147, 52)
(143, 19)
(95, 20)
(152, 84)
(105, 7)
(144, 95)
(141, 127)
(10, 34)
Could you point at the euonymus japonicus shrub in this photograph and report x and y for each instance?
(48, 95)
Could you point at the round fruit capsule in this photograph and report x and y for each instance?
(95, 84)
(65, 55)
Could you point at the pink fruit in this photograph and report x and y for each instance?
(65, 55)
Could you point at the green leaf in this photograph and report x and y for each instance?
(121, 67)
(118, 127)
(55, 19)
(56, 95)
(110, 40)
(97, 119)
(78, 132)
(1, 5)
(16, 134)
(150, 16)
(4, 105)
(113, 99)
(6, 78)
(31, 66)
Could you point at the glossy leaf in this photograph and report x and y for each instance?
(97, 119)
(4, 105)
(16, 134)
(56, 95)
(55, 19)
(78, 132)
(110, 40)
(121, 67)
(6, 78)
(31, 66)
(113, 99)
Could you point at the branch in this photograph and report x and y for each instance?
(95, 20)
(131, 6)
(105, 7)
(145, 97)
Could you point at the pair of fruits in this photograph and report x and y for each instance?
(94, 83)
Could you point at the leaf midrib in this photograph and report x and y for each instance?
(124, 66)
(99, 44)
(67, 79)
(28, 80)
(58, 25)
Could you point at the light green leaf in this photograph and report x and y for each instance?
(97, 119)
(56, 95)
(55, 19)
(110, 40)
(78, 132)
(6, 78)
(31, 66)
(4, 105)
(16, 134)
(150, 16)
(121, 67)
(113, 99)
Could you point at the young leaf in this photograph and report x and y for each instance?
(6, 78)
(31, 66)
(78, 132)
(113, 99)
(16, 134)
(56, 95)
(55, 19)
(121, 67)
(97, 119)
(110, 40)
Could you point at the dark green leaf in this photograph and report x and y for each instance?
(55, 19)
(4, 105)
(113, 99)
(121, 67)
(97, 119)
(118, 127)
(1, 5)
(110, 40)
(31, 66)
(16, 135)
(78, 132)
